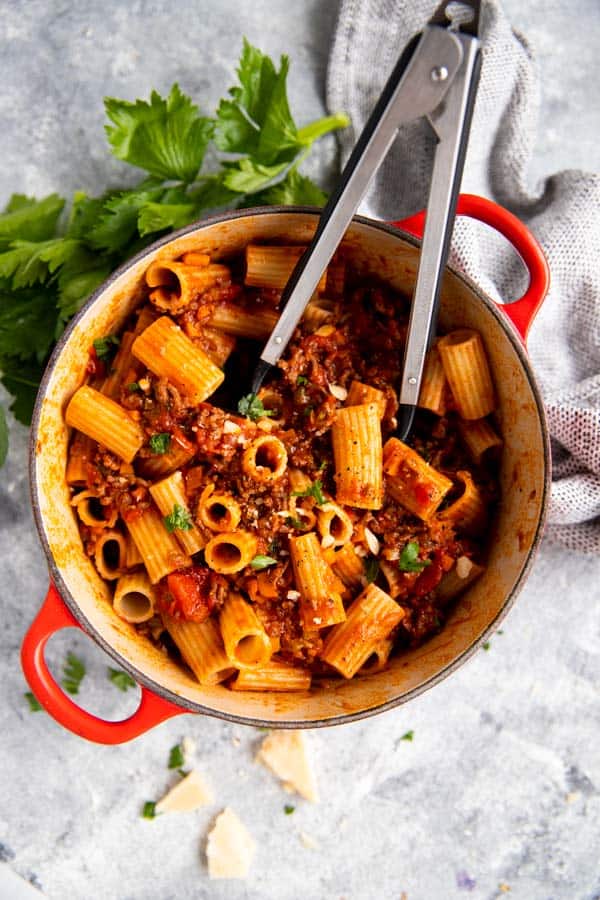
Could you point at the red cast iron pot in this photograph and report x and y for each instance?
(78, 597)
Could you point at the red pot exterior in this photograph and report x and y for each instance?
(79, 597)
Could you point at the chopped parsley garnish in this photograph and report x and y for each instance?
(371, 569)
(262, 562)
(106, 347)
(314, 490)
(73, 673)
(149, 809)
(160, 443)
(288, 809)
(252, 407)
(34, 703)
(274, 546)
(307, 411)
(295, 523)
(120, 679)
(486, 646)
(407, 736)
(176, 757)
(301, 379)
(133, 387)
(409, 559)
(178, 520)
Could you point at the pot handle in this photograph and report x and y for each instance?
(52, 617)
(521, 312)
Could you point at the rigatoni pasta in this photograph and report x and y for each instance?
(296, 538)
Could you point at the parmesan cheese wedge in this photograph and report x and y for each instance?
(230, 849)
(189, 793)
(285, 754)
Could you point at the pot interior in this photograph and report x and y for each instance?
(373, 249)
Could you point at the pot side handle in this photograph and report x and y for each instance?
(521, 312)
(52, 617)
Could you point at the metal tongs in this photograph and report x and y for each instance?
(437, 77)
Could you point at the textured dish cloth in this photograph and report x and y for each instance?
(563, 213)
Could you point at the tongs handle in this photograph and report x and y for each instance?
(413, 90)
(451, 122)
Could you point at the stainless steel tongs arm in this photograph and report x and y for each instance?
(416, 88)
(451, 122)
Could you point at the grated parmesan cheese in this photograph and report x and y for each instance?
(372, 542)
(339, 392)
(463, 566)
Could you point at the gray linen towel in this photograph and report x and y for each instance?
(563, 213)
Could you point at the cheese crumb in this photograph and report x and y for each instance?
(229, 849)
(372, 542)
(463, 566)
(307, 841)
(339, 392)
(285, 753)
(189, 793)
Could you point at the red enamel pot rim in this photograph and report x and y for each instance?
(158, 702)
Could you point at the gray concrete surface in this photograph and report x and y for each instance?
(499, 792)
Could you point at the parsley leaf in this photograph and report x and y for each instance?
(167, 138)
(149, 809)
(371, 569)
(409, 559)
(106, 346)
(28, 219)
(160, 443)
(293, 190)
(21, 379)
(486, 646)
(407, 736)
(28, 262)
(178, 520)
(3, 437)
(160, 216)
(252, 407)
(117, 225)
(314, 490)
(296, 523)
(34, 703)
(120, 679)
(134, 388)
(176, 757)
(301, 379)
(262, 562)
(73, 673)
(288, 809)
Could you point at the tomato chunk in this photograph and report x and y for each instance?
(189, 594)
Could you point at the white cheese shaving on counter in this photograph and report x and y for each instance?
(189, 793)
(285, 753)
(230, 848)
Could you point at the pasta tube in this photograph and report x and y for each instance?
(246, 642)
(162, 464)
(120, 366)
(320, 595)
(347, 565)
(458, 579)
(479, 438)
(92, 512)
(110, 554)
(178, 283)
(272, 676)
(104, 421)
(360, 394)
(371, 619)
(335, 525)
(134, 598)
(230, 552)
(256, 324)
(378, 659)
(469, 511)
(411, 481)
(265, 458)
(159, 549)
(356, 437)
(80, 455)
(432, 395)
(168, 352)
(218, 511)
(271, 267)
(201, 647)
(169, 494)
(465, 364)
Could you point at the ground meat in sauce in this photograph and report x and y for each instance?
(365, 344)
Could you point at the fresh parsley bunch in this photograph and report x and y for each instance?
(49, 263)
